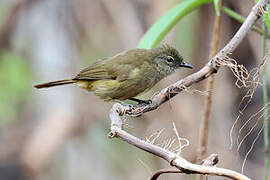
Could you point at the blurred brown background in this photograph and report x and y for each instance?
(61, 133)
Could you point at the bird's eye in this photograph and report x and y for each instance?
(169, 59)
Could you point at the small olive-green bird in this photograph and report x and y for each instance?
(126, 74)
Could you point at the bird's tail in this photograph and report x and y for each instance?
(55, 83)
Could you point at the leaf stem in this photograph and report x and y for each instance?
(159, 30)
(241, 19)
(265, 101)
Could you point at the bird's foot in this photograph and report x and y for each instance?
(147, 102)
(141, 102)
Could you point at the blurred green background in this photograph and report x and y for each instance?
(61, 133)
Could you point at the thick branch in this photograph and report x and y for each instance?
(119, 110)
(174, 160)
(210, 68)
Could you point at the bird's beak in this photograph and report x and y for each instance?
(186, 65)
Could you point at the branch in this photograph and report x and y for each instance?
(174, 160)
(210, 85)
(209, 161)
(210, 68)
(119, 110)
(164, 171)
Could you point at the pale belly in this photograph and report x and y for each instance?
(113, 89)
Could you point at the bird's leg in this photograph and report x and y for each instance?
(139, 101)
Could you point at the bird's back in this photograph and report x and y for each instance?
(122, 76)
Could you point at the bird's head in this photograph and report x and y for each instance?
(168, 59)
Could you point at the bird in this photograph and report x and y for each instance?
(127, 74)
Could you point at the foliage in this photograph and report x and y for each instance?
(15, 83)
(217, 9)
(163, 25)
(266, 17)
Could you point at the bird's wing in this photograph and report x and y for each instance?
(105, 70)
(95, 71)
(117, 67)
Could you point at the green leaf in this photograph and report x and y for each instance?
(163, 25)
(267, 19)
(240, 18)
(15, 78)
(216, 4)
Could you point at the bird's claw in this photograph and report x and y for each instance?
(145, 102)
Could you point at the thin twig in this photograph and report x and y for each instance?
(210, 85)
(164, 171)
(212, 160)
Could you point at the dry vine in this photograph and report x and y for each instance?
(175, 160)
(247, 80)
